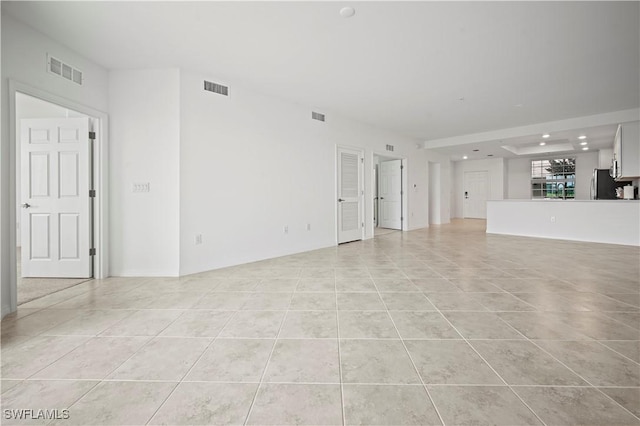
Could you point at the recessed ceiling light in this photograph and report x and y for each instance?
(464, 157)
(586, 148)
(347, 12)
(583, 143)
(546, 135)
(543, 143)
(476, 150)
(489, 155)
(582, 137)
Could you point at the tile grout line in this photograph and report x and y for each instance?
(617, 320)
(56, 292)
(326, 383)
(59, 358)
(101, 380)
(192, 365)
(80, 397)
(328, 338)
(344, 418)
(569, 368)
(150, 339)
(621, 354)
(415, 368)
(266, 366)
(619, 301)
(492, 369)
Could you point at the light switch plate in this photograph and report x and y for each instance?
(141, 187)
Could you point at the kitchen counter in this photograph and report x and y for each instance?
(568, 201)
(600, 221)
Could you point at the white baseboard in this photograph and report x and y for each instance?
(6, 309)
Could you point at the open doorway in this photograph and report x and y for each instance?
(54, 188)
(388, 194)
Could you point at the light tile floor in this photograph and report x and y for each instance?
(34, 288)
(440, 326)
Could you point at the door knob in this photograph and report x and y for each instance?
(26, 205)
(382, 198)
(340, 200)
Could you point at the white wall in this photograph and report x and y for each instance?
(417, 187)
(445, 190)
(435, 187)
(601, 221)
(495, 169)
(604, 158)
(519, 176)
(251, 164)
(24, 53)
(145, 148)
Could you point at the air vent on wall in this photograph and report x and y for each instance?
(317, 116)
(216, 88)
(389, 148)
(66, 71)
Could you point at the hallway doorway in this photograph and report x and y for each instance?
(53, 203)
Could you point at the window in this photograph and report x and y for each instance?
(555, 179)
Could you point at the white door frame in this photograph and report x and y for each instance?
(391, 181)
(361, 189)
(62, 208)
(100, 184)
(405, 196)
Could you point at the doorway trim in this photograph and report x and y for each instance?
(100, 184)
(405, 196)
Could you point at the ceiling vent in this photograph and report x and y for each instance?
(64, 70)
(317, 116)
(216, 88)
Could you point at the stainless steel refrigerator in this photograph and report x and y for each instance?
(603, 186)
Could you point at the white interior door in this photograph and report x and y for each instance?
(476, 192)
(55, 200)
(350, 194)
(390, 194)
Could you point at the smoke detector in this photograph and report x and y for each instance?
(347, 12)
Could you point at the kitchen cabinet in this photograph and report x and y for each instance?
(626, 151)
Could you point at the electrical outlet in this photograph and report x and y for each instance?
(553, 219)
(198, 238)
(286, 229)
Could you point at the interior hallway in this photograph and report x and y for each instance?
(442, 325)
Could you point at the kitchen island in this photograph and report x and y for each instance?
(599, 221)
